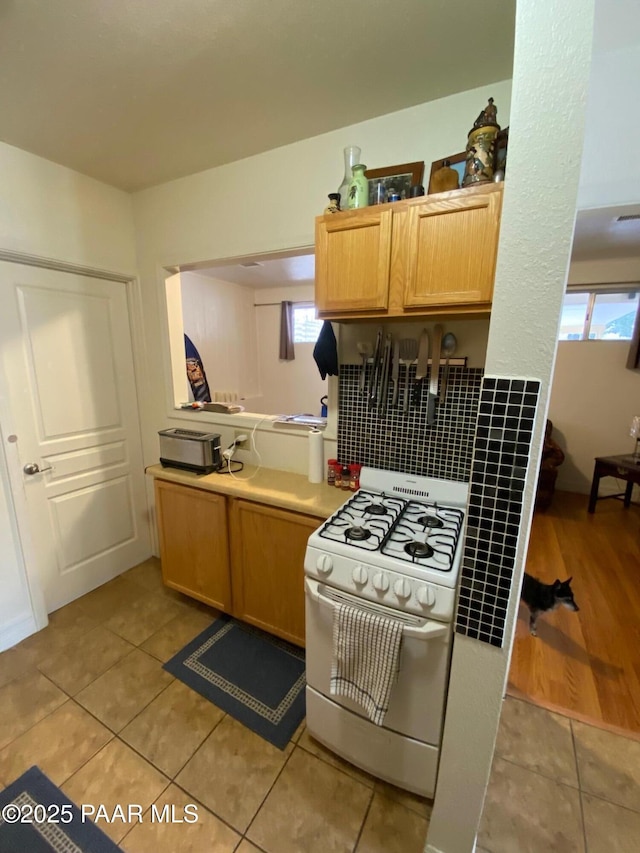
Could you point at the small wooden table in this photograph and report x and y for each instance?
(625, 467)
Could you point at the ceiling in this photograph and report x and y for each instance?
(135, 94)
(265, 272)
(138, 93)
(599, 235)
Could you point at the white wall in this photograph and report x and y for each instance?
(609, 174)
(288, 387)
(16, 615)
(593, 400)
(593, 395)
(219, 317)
(249, 207)
(51, 212)
(550, 75)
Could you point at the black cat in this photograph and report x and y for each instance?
(542, 597)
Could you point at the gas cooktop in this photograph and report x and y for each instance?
(396, 525)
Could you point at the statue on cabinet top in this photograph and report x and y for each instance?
(488, 116)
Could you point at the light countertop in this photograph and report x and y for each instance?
(268, 486)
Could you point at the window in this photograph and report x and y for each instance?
(305, 326)
(602, 314)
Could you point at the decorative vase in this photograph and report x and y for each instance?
(351, 157)
(358, 195)
(480, 155)
(481, 147)
(334, 203)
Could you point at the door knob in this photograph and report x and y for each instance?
(33, 468)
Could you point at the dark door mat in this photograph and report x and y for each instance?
(38, 818)
(254, 677)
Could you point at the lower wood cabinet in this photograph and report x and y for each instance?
(241, 557)
(267, 559)
(194, 543)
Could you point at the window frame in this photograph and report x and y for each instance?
(593, 291)
(305, 305)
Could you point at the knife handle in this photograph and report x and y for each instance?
(405, 407)
(395, 376)
(431, 409)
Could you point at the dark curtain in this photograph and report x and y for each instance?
(286, 332)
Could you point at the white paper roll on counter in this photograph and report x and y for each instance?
(316, 456)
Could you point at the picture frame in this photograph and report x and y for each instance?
(502, 141)
(400, 178)
(456, 161)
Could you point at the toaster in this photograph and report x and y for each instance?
(190, 449)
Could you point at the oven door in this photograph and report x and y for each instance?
(417, 702)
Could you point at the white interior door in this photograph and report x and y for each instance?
(68, 379)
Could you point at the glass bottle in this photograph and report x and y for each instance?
(337, 482)
(345, 477)
(351, 157)
(358, 188)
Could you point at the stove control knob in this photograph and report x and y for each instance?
(380, 582)
(360, 575)
(324, 564)
(426, 596)
(402, 588)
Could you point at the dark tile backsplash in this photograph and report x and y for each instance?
(497, 414)
(399, 442)
(502, 447)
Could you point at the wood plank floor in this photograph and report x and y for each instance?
(587, 663)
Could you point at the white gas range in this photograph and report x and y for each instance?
(394, 548)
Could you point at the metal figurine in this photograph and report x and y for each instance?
(481, 147)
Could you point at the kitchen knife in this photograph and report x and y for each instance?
(421, 368)
(395, 374)
(375, 371)
(384, 381)
(435, 373)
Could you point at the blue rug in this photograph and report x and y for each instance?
(56, 826)
(254, 677)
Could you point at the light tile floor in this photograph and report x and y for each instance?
(87, 700)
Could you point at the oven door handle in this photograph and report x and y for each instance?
(415, 626)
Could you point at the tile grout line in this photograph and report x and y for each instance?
(202, 742)
(364, 820)
(580, 791)
(538, 773)
(271, 787)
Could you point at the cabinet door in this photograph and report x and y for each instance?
(267, 558)
(353, 252)
(451, 249)
(194, 545)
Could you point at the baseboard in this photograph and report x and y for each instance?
(514, 693)
(17, 630)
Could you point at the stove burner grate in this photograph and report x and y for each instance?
(430, 521)
(357, 534)
(418, 549)
(376, 509)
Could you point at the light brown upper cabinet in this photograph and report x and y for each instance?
(353, 255)
(430, 255)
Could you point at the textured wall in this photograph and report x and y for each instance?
(551, 68)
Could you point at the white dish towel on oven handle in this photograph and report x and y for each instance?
(366, 656)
